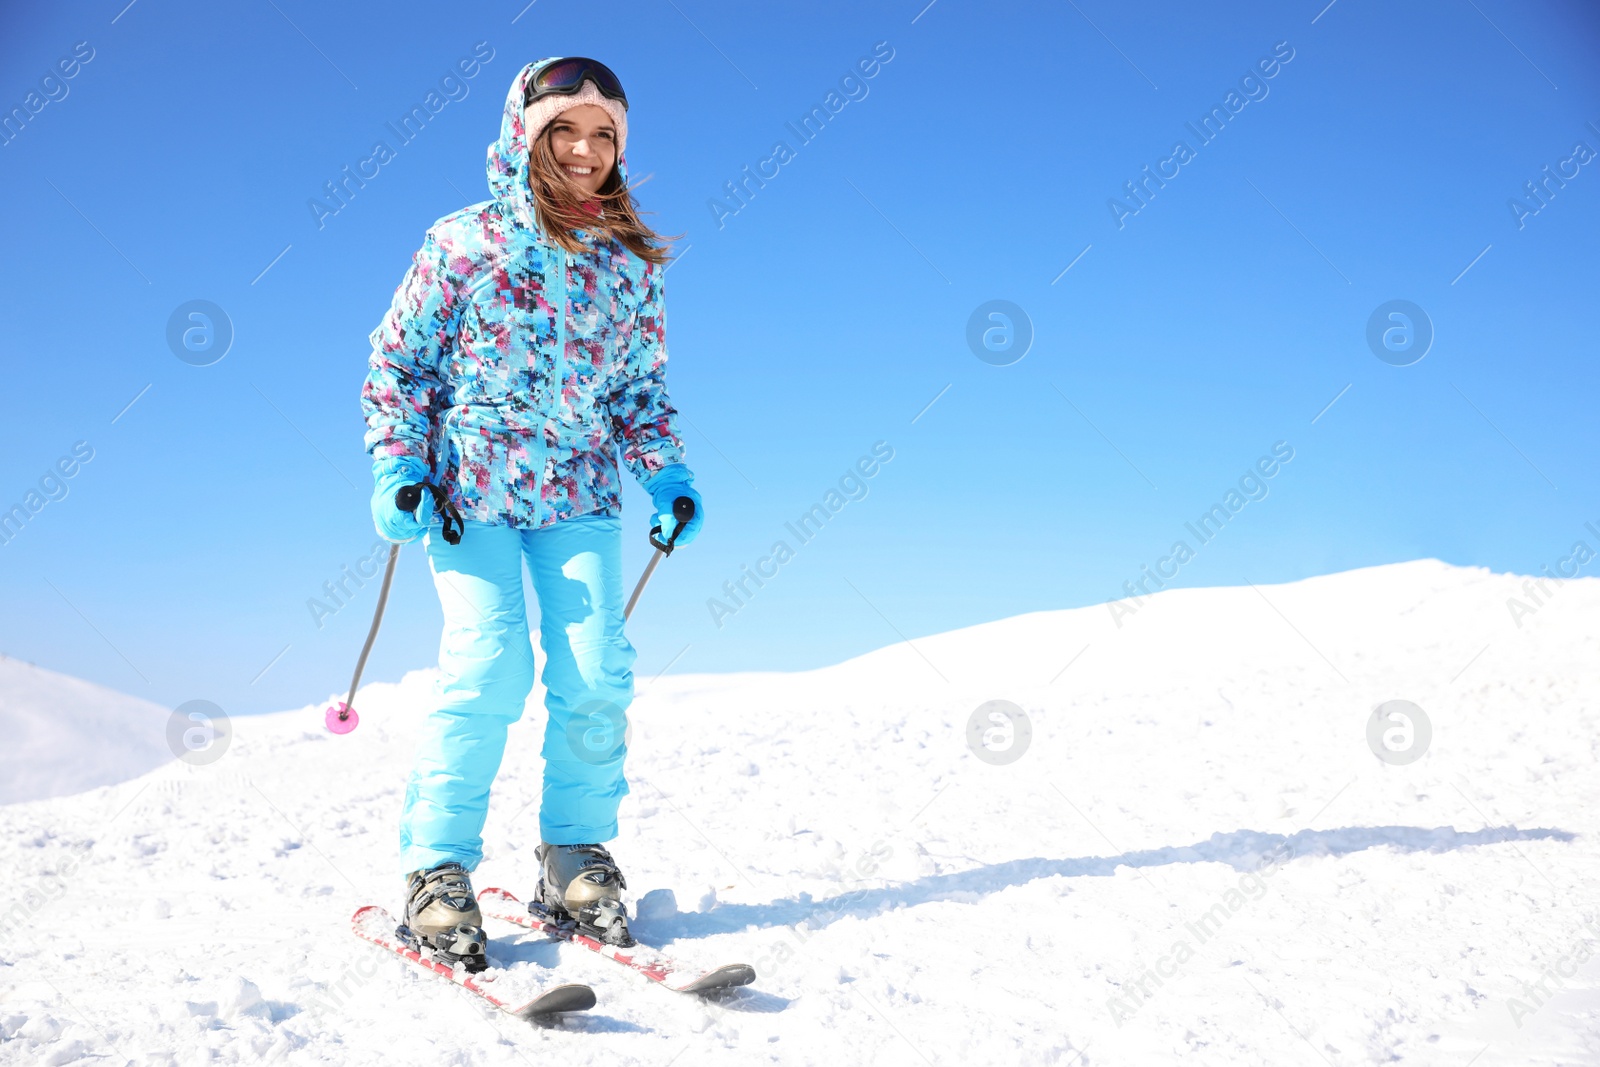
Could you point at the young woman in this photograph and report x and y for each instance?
(524, 346)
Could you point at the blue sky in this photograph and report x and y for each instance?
(1172, 346)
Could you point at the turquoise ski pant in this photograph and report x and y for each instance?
(486, 673)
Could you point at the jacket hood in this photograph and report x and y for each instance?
(507, 164)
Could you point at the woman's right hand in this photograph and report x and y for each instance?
(389, 475)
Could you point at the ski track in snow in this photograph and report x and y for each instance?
(903, 901)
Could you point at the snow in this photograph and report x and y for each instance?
(64, 735)
(1198, 812)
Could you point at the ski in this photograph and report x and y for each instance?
(499, 904)
(374, 924)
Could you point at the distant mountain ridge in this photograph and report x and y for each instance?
(62, 735)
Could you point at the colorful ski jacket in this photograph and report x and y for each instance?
(513, 369)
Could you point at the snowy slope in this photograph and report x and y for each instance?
(64, 735)
(1198, 859)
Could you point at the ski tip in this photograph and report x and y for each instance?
(729, 976)
(365, 912)
(496, 893)
(574, 997)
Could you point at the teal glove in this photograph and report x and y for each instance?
(390, 474)
(665, 486)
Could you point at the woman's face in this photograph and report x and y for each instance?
(585, 145)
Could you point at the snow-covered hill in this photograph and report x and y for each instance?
(1197, 859)
(60, 734)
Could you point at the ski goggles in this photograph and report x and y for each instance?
(566, 76)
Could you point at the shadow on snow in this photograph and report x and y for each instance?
(1243, 850)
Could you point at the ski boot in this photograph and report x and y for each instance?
(442, 914)
(582, 885)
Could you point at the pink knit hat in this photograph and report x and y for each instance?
(544, 110)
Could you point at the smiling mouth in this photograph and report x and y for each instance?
(578, 172)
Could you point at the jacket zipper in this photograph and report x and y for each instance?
(560, 362)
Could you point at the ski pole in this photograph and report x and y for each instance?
(682, 511)
(341, 717)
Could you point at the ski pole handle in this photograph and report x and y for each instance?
(683, 511)
(409, 497)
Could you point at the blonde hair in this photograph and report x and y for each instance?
(557, 197)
